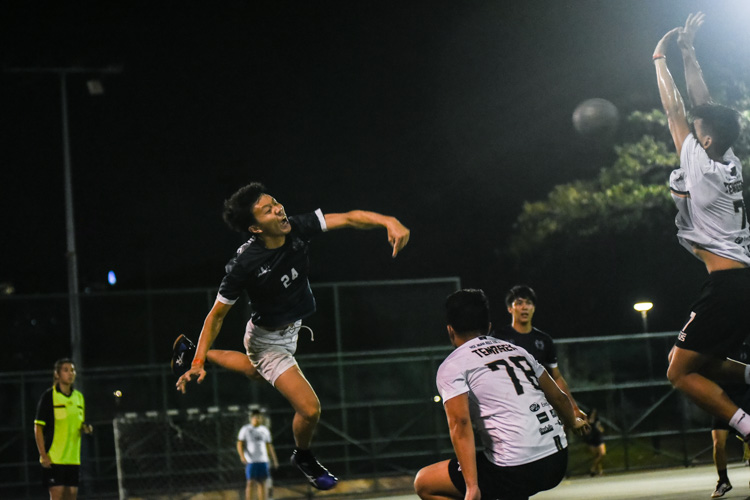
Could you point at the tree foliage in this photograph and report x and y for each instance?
(594, 246)
(630, 196)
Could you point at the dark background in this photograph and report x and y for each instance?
(448, 115)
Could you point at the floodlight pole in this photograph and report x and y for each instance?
(71, 255)
(644, 317)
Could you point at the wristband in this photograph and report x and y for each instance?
(659, 56)
(198, 362)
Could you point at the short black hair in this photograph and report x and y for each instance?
(721, 123)
(467, 311)
(238, 209)
(520, 292)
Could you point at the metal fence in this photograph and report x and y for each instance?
(379, 418)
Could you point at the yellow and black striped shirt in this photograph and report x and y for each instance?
(61, 416)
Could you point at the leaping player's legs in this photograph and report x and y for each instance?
(234, 361)
(719, 437)
(728, 370)
(434, 483)
(293, 385)
(685, 373)
(183, 351)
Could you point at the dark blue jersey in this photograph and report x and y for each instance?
(536, 342)
(276, 280)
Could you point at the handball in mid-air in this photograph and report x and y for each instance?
(596, 118)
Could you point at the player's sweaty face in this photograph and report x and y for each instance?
(522, 310)
(270, 216)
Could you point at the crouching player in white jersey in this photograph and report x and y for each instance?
(712, 224)
(516, 408)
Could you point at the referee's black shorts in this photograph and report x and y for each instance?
(517, 482)
(60, 475)
(720, 319)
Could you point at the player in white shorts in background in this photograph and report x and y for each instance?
(712, 224)
(257, 454)
(272, 267)
(513, 404)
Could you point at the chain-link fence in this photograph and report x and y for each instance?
(379, 419)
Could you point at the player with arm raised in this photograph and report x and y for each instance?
(712, 225)
(272, 267)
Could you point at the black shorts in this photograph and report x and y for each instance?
(60, 475)
(720, 319)
(593, 438)
(518, 482)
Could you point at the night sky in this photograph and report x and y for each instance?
(447, 114)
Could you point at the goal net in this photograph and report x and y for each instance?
(179, 453)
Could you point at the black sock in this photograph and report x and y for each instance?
(723, 476)
(306, 455)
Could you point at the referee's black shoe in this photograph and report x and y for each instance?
(316, 474)
(183, 351)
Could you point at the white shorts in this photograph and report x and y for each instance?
(271, 351)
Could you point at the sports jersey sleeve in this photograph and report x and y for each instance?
(266, 435)
(44, 411)
(451, 380)
(241, 435)
(536, 366)
(551, 355)
(309, 224)
(232, 284)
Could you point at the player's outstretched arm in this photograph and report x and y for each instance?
(211, 328)
(696, 86)
(562, 405)
(398, 234)
(671, 100)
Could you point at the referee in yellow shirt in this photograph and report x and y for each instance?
(58, 427)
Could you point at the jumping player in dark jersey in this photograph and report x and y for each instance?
(712, 224)
(272, 267)
(521, 303)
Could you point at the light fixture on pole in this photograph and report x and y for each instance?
(644, 308)
(71, 255)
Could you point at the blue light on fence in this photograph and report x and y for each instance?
(111, 278)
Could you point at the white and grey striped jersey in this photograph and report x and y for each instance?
(711, 212)
(514, 421)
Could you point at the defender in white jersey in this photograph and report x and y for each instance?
(272, 268)
(712, 224)
(513, 404)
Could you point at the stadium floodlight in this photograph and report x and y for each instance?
(643, 307)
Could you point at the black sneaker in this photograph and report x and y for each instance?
(721, 488)
(183, 351)
(316, 474)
